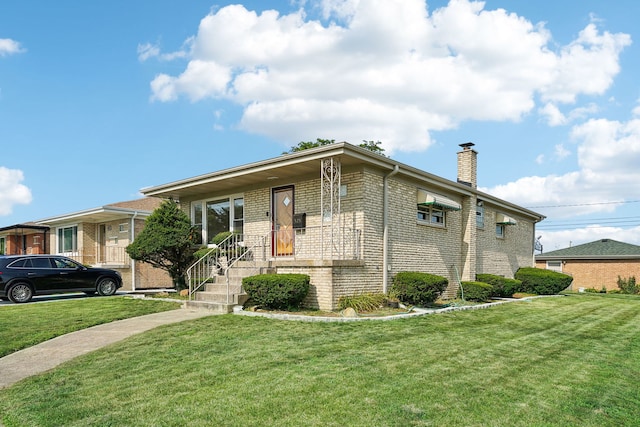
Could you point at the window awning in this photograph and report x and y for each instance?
(425, 198)
(505, 220)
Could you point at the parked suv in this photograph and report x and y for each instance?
(23, 276)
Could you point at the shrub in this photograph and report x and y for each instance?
(542, 282)
(362, 302)
(502, 286)
(628, 286)
(418, 288)
(475, 291)
(277, 291)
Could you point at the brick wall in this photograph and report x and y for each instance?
(503, 256)
(598, 273)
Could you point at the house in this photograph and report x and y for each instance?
(594, 265)
(351, 219)
(20, 239)
(98, 237)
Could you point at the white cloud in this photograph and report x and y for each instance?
(608, 158)
(553, 240)
(148, 50)
(561, 152)
(385, 69)
(554, 117)
(12, 192)
(9, 47)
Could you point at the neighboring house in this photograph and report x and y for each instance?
(594, 265)
(24, 239)
(99, 236)
(351, 219)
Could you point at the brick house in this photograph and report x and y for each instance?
(594, 265)
(351, 219)
(99, 236)
(24, 239)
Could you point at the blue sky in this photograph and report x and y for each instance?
(101, 99)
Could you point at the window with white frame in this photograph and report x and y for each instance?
(68, 239)
(480, 216)
(214, 216)
(555, 266)
(500, 231)
(431, 215)
(123, 228)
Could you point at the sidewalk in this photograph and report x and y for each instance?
(49, 354)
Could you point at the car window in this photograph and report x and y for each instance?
(40, 263)
(64, 263)
(20, 263)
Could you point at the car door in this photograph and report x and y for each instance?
(71, 275)
(41, 274)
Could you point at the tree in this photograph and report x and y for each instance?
(166, 242)
(375, 146)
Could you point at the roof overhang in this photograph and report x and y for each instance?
(543, 257)
(24, 229)
(291, 167)
(101, 214)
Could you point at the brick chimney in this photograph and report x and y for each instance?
(468, 165)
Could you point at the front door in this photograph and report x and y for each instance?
(282, 226)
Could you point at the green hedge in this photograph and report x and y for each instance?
(502, 287)
(475, 291)
(542, 282)
(277, 291)
(418, 288)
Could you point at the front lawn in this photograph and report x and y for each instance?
(563, 361)
(23, 325)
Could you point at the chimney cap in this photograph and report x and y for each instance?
(467, 145)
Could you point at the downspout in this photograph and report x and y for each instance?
(385, 225)
(133, 261)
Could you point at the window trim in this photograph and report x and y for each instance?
(74, 242)
(230, 198)
(501, 234)
(428, 213)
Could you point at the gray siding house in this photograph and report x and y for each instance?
(351, 219)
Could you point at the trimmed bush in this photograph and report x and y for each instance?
(277, 291)
(542, 282)
(418, 288)
(476, 291)
(502, 287)
(628, 286)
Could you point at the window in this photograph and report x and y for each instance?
(40, 263)
(480, 216)
(68, 239)
(123, 228)
(431, 215)
(64, 263)
(555, 266)
(500, 231)
(211, 217)
(2, 245)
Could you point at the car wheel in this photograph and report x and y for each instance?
(107, 286)
(19, 293)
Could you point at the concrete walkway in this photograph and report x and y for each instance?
(49, 354)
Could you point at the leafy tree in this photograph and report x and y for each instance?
(375, 146)
(166, 242)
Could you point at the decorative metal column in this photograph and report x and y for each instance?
(330, 206)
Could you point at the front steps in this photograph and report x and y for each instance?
(214, 295)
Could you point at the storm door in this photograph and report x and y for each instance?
(282, 221)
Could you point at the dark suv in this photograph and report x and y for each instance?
(23, 276)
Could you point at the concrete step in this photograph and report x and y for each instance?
(211, 306)
(220, 297)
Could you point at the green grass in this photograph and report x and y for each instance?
(563, 361)
(22, 326)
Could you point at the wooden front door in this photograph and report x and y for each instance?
(282, 221)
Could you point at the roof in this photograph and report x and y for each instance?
(293, 166)
(24, 228)
(600, 249)
(120, 210)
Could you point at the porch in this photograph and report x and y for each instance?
(215, 280)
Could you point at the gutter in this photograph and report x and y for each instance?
(133, 261)
(385, 233)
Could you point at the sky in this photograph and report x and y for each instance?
(101, 99)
